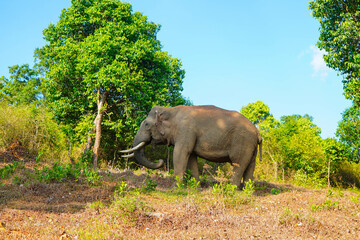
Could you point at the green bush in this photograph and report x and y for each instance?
(74, 172)
(348, 175)
(224, 188)
(150, 184)
(187, 182)
(58, 173)
(34, 127)
(7, 170)
(249, 188)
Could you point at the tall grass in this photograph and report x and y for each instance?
(34, 127)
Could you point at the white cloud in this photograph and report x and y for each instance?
(318, 64)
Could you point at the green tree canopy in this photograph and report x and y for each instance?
(103, 59)
(23, 86)
(291, 144)
(349, 131)
(259, 114)
(298, 141)
(340, 38)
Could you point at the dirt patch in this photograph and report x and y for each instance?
(61, 211)
(76, 210)
(15, 152)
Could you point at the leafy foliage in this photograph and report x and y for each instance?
(259, 114)
(340, 38)
(349, 131)
(150, 184)
(348, 175)
(73, 172)
(224, 188)
(34, 127)
(301, 143)
(23, 87)
(7, 170)
(101, 59)
(291, 145)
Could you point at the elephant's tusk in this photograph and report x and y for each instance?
(128, 156)
(140, 145)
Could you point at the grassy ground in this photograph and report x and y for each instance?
(128, 205)
(39, 201)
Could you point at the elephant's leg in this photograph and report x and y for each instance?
(180, 159)
(238, 175)
(193, 166)
(241, 161)
(249, 171)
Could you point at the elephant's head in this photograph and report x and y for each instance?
(152, 129)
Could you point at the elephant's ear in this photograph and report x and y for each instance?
(161, 116)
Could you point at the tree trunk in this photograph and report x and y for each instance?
(275, 164)
(329, 172)
(98, 120)
(89, 142)
(70, 150)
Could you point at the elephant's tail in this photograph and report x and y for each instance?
(260, 140)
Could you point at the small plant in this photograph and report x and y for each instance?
(38, 158)
(60, 173)
(121, 190)
(92, 177)
(150, 184)
(86, 158)
(9, 169)
(97, 205)
(287, 217)
(57, 173)
(330, 193)
(193, 184)
(187, 182)
(226, 189)
(340, 193)
(275, 191)
(17, 180)
(179, 183)
(328, 204)
(128, 204)
(249, 188)
(355, 199)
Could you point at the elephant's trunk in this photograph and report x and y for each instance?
(142, 138)
(141, 159)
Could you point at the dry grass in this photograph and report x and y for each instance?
(73, 210)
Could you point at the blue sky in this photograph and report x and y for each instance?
(234, 52)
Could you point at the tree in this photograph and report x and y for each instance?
(301, 144)
(349, 131)
(259, 114)
(103, 59)
(336, 153)
(23, 87)
(340, 38)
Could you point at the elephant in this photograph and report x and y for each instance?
(209, 132)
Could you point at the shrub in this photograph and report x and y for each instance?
(150, 184)
(348, 175)
(7, 170)
(61, 173)
(226, 189)
(128, 203)
(187, 182)
(249, 188)
(34, 127)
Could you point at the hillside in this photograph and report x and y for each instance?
(149, 205)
